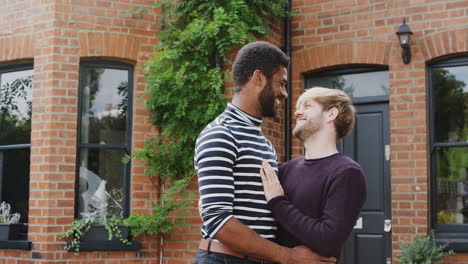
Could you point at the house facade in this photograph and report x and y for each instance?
(71, 78)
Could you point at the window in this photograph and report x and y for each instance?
(448, 82)
(15, 137)
(362, 83)
(104, 137)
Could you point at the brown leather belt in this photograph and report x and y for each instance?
(218, 247)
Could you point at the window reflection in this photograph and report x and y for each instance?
(356, 85)
(101, 182)
(450, 86)
(104, 98)
(452, 185)
(15, 136)
(14, 180)
(451, 103)
(104, 106)
(15, 107)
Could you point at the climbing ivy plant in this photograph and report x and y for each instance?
(186, 89)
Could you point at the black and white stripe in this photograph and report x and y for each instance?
(228, 157)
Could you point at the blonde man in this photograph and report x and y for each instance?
(324, 190)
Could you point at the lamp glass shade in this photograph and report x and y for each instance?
(404, 39)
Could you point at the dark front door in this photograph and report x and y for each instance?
(368, 144)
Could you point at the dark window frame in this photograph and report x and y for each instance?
(128, 134)
(454, 234)
(22, 243)
(350, 69)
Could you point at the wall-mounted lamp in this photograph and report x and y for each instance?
(404, 34)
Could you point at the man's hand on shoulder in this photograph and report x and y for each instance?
(303, 255)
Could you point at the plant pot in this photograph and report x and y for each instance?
(98, 232)
(10, 231)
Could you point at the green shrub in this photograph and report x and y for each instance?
(422, 250)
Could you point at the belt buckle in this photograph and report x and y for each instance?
(209, 246)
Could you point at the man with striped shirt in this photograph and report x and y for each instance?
(237, 226)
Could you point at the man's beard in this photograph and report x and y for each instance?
(307, 129)
(267, 100)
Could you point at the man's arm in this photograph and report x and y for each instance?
(233, 230)
(215, 155)
(239, 237)
(342, 206)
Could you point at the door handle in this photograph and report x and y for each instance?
(388, 225)
(358, 224)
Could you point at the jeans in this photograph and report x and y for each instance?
(203, 257)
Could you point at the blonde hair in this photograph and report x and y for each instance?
(328, 99)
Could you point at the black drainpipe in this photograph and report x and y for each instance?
(287, 107)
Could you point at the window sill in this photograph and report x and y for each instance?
(15, 244)
(107, 246)
(454, 242)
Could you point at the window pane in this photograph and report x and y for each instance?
(14, 180)
(450, 86)
(452, 185)
(15, 107)
(104, 106)
(101, 182)
(355, 85)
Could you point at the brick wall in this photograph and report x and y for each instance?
(56, 35)
(341, 32)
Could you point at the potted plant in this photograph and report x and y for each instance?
(94, 225)
(91, 229)
(422, 250)
(10, 227)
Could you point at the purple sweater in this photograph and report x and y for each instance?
(323, 198)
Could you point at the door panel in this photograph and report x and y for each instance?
(370, 146)
(369, 243)
(369, 249)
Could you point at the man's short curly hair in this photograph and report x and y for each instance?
(259, 55)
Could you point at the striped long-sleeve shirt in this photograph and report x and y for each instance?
(228, 157)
